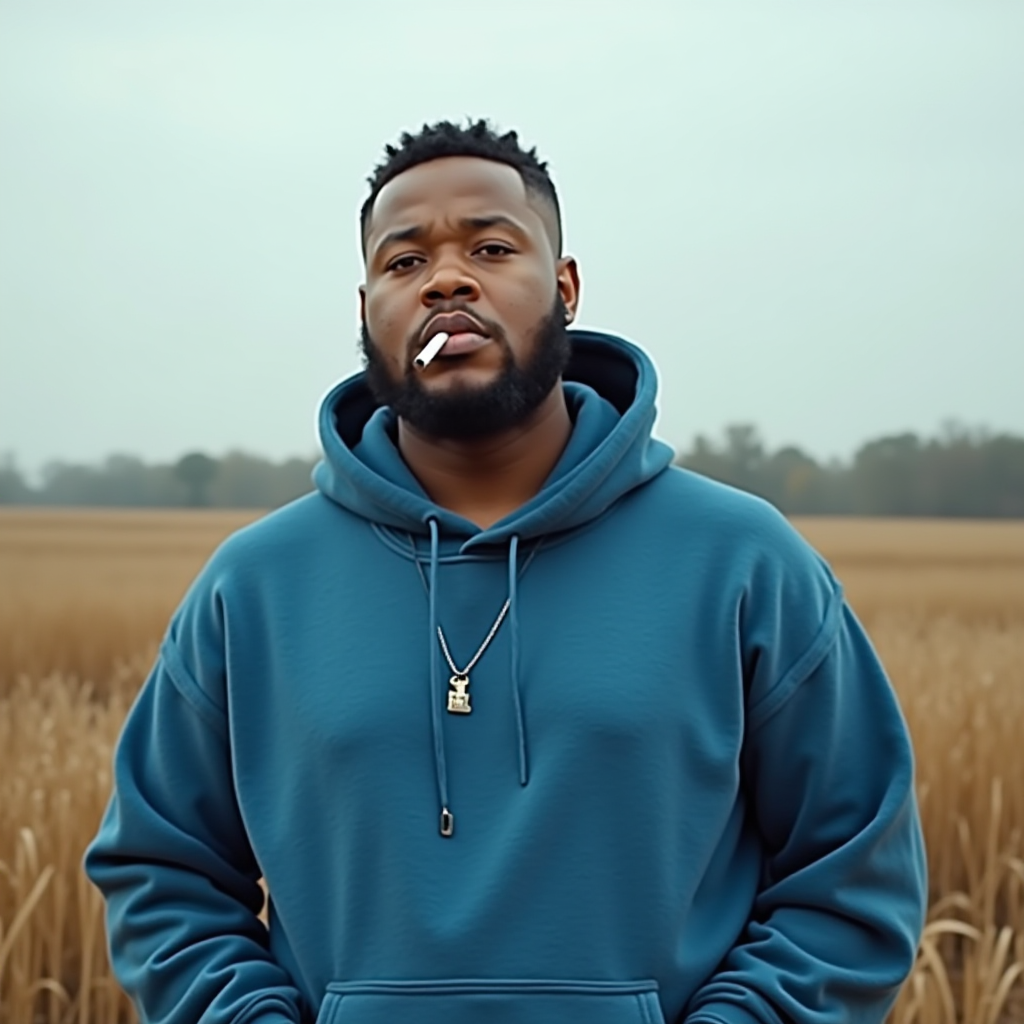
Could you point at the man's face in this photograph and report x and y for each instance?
(461, 235)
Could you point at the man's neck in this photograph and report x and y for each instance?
(488, 479)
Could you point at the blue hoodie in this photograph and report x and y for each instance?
(684, 792)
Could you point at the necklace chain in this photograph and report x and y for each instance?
(464, 673)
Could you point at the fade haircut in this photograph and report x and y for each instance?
(477, 138)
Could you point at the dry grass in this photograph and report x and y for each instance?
(84, 597)
(83, 593)
(926, 568)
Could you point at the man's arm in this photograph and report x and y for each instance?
(829, 774)
(174, 863)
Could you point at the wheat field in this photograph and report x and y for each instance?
(85, 595)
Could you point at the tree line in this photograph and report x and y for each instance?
(195, 481)
(959, 473)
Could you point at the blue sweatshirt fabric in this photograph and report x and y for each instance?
(684, 791)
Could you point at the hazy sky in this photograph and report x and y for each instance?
(810, 214)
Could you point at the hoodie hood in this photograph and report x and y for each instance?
(610, 387)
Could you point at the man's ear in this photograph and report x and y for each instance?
(362, 303)
(568, 276)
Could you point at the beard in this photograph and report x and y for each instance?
(469, 413)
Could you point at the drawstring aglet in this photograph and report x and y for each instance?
(447, 823)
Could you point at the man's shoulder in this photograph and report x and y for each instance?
(703, 503)
(287, 537)
(700, 518)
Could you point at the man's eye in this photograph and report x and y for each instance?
(495, 249)
(403, 263)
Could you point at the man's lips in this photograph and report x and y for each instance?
(452, 324)
(463, 343)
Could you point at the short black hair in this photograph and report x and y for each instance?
(475, 138)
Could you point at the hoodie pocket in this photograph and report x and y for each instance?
(491, 1002)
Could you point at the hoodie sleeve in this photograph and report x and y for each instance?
(828, 775)
(172, 858)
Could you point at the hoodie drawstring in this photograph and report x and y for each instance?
(436, 696)
(436, 722)
(517, 697)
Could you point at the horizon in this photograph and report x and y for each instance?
(951, 431)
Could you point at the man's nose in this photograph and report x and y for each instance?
(451, 280)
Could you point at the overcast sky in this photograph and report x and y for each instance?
(810, 214)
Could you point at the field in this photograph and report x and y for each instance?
(84, 597)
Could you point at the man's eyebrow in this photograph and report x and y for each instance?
(401, 235)
(497, 220)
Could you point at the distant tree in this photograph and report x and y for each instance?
(789, 478)
(1004, 476)
(739, 461)
(745, 451)
(795, 480)
(196, 471)
(246, 481)
(13, 488)
(886, 476)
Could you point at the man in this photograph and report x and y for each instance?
(517, 722)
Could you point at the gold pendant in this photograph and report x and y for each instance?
(458, 698)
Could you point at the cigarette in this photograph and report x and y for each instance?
(433, 346)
